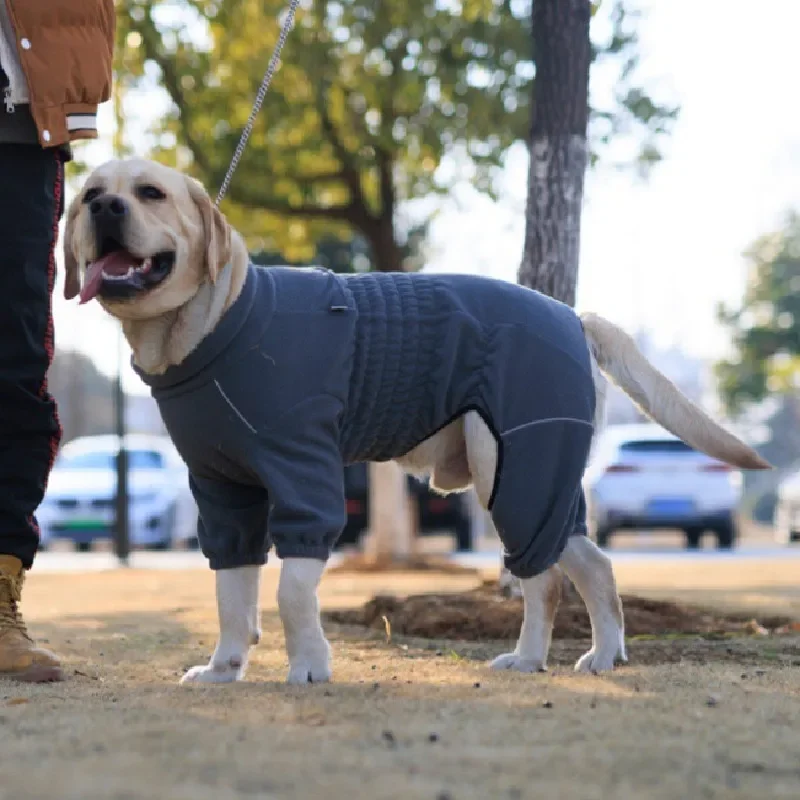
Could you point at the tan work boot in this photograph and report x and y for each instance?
(20, 659)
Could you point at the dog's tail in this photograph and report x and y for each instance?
(619, 358)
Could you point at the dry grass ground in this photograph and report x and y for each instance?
(410, 719)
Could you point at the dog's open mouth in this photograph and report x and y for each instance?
(119, 275)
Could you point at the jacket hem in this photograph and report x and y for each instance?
(62, 123)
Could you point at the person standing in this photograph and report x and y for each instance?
(55, 69)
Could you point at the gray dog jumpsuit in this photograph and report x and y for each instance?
(309, 370)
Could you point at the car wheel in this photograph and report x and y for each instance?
(726, 535)
(693, 537)
(83, 547)
(351, 534)
(603, 536)
(464, 536)
(168, 524)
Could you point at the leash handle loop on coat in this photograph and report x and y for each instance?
(262, 91)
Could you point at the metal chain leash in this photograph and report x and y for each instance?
(248, 128)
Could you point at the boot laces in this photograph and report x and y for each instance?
(10, 616)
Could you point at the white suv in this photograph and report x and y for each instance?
(641, 477)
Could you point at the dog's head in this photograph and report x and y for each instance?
(142, 238)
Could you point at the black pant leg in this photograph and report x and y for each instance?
(31, 205)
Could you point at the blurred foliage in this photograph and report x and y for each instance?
(370, 98)
(351, 255)
(766, 329)
(342, 255)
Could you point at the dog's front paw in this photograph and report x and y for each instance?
(310, 661)
(225, 672)
(600, 660)
(516, 663)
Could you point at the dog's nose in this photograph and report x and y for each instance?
(109, 206)
(108, 214)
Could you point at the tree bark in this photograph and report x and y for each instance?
(562, 52)
(391, 530)
(558, 158)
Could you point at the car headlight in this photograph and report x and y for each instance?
(146, 497)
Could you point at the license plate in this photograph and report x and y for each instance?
(670, 507)
(85, 525)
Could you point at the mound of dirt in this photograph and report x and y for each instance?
(427, 562)
(482, 614)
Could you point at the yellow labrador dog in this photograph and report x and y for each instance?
(149, 244)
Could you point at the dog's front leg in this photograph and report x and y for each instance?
(308, 649)
(239, 629)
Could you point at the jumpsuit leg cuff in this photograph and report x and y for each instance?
(235, 560)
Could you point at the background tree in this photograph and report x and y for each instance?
(378, 102)
(562, 142)
(560, 148)
(765, 329)
(765, 362)
(369, 97)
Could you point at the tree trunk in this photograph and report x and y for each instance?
(562, 51)
(391, 530)
(559, 154)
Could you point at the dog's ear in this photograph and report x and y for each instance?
(216, 230)
(72, 281)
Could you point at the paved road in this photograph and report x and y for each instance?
(486, 559)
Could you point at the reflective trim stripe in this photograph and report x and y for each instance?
(81, 122)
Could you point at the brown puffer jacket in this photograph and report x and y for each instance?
(65, 50)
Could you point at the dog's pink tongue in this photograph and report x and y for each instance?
(114, 263)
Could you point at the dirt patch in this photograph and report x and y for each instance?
(418, 719)
(482, 614)
(357, 563)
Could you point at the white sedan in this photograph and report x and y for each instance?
(641, 477)
(787, 510)
(79, 505)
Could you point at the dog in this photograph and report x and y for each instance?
(270, 380)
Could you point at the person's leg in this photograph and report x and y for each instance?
(31, 203)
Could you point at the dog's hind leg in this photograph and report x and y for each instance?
(589, 568)
(541, 594)
(443, 457)
(482, 457)
(237, 606)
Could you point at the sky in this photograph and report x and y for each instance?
(656, 255)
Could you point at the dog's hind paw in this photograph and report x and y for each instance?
(229, 672)
(597, 660)
(516, 663)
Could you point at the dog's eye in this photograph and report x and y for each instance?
(148, 192)
(92, 194)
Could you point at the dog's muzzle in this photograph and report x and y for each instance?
(109, 214)
(116, 273)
